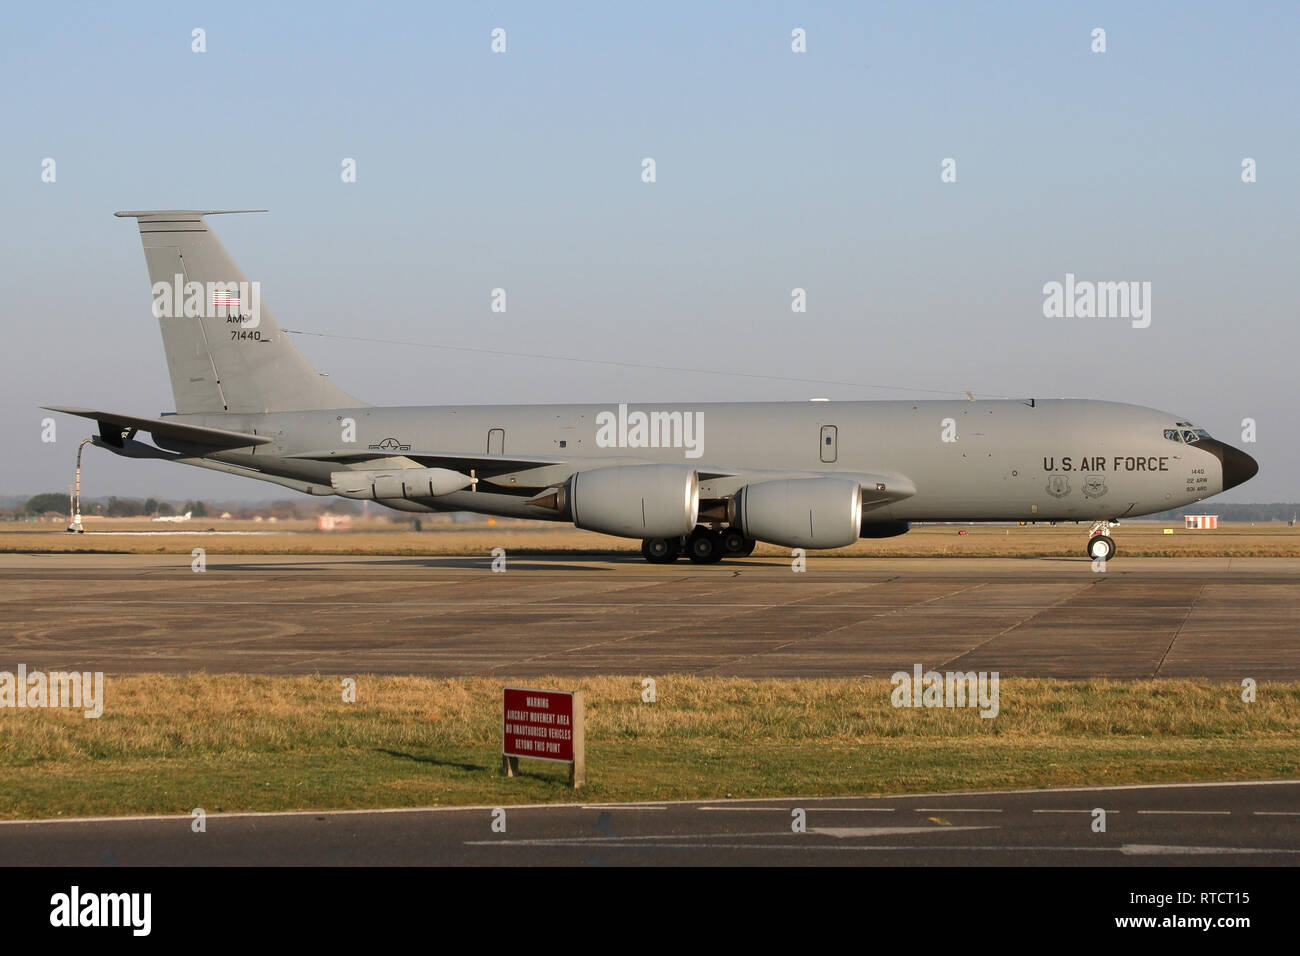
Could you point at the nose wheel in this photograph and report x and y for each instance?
(1101, 546)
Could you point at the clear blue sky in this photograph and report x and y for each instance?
(775, 170)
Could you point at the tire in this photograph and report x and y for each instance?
(1101, 547)
(734, 543)
(704, 547)
(661, 550)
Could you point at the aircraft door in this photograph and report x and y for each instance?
(496, 441)
(829, 440)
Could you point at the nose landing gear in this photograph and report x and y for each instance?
(1101, 546)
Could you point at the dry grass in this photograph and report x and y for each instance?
(168, 744)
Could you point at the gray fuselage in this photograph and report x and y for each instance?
(1045, 460)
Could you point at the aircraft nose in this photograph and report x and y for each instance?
(1238, 467)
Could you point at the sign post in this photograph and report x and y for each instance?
(543, 725)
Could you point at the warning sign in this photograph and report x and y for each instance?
(539, 724)
(542, 725)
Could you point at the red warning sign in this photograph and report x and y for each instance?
(538, 724)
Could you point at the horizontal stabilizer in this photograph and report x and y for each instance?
(172, 215)
(215, 438)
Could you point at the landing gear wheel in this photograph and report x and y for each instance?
(1101, 547)
(661, 550)
(704, 547)
(735, 544)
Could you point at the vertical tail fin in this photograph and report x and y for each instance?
(225, 351)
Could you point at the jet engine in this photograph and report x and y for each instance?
(631, 501)
(800, 512)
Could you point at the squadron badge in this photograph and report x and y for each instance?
(1058, 486)
(1094, 486)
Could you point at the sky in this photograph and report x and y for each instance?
(774, 170)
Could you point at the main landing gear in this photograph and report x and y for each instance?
(702, 546)
(1101, 546)
(661, 550)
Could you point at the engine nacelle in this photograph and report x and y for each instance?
(800, 512)
(635, 501)
(399, 483)
(884, 529)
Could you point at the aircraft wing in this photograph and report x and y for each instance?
(457, 461)
(217, 439)
(484, 465)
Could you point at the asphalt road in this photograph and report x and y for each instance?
(1253, 824)
(560, 615)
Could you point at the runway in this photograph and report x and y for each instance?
(1253, 824)
(1213, 618)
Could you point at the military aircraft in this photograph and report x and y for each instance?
(705, 480)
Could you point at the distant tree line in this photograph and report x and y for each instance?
(50, 501)
(114, 507)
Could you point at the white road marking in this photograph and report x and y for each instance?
(788, 809)
(804, 846)
(1142, 849)
(1108, 812)
(841, 833)
(952, 810)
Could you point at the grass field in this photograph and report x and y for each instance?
(523, 537)
(225, 743)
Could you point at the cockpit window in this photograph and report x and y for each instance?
(1186, 432)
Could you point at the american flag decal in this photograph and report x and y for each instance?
(222, 299)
